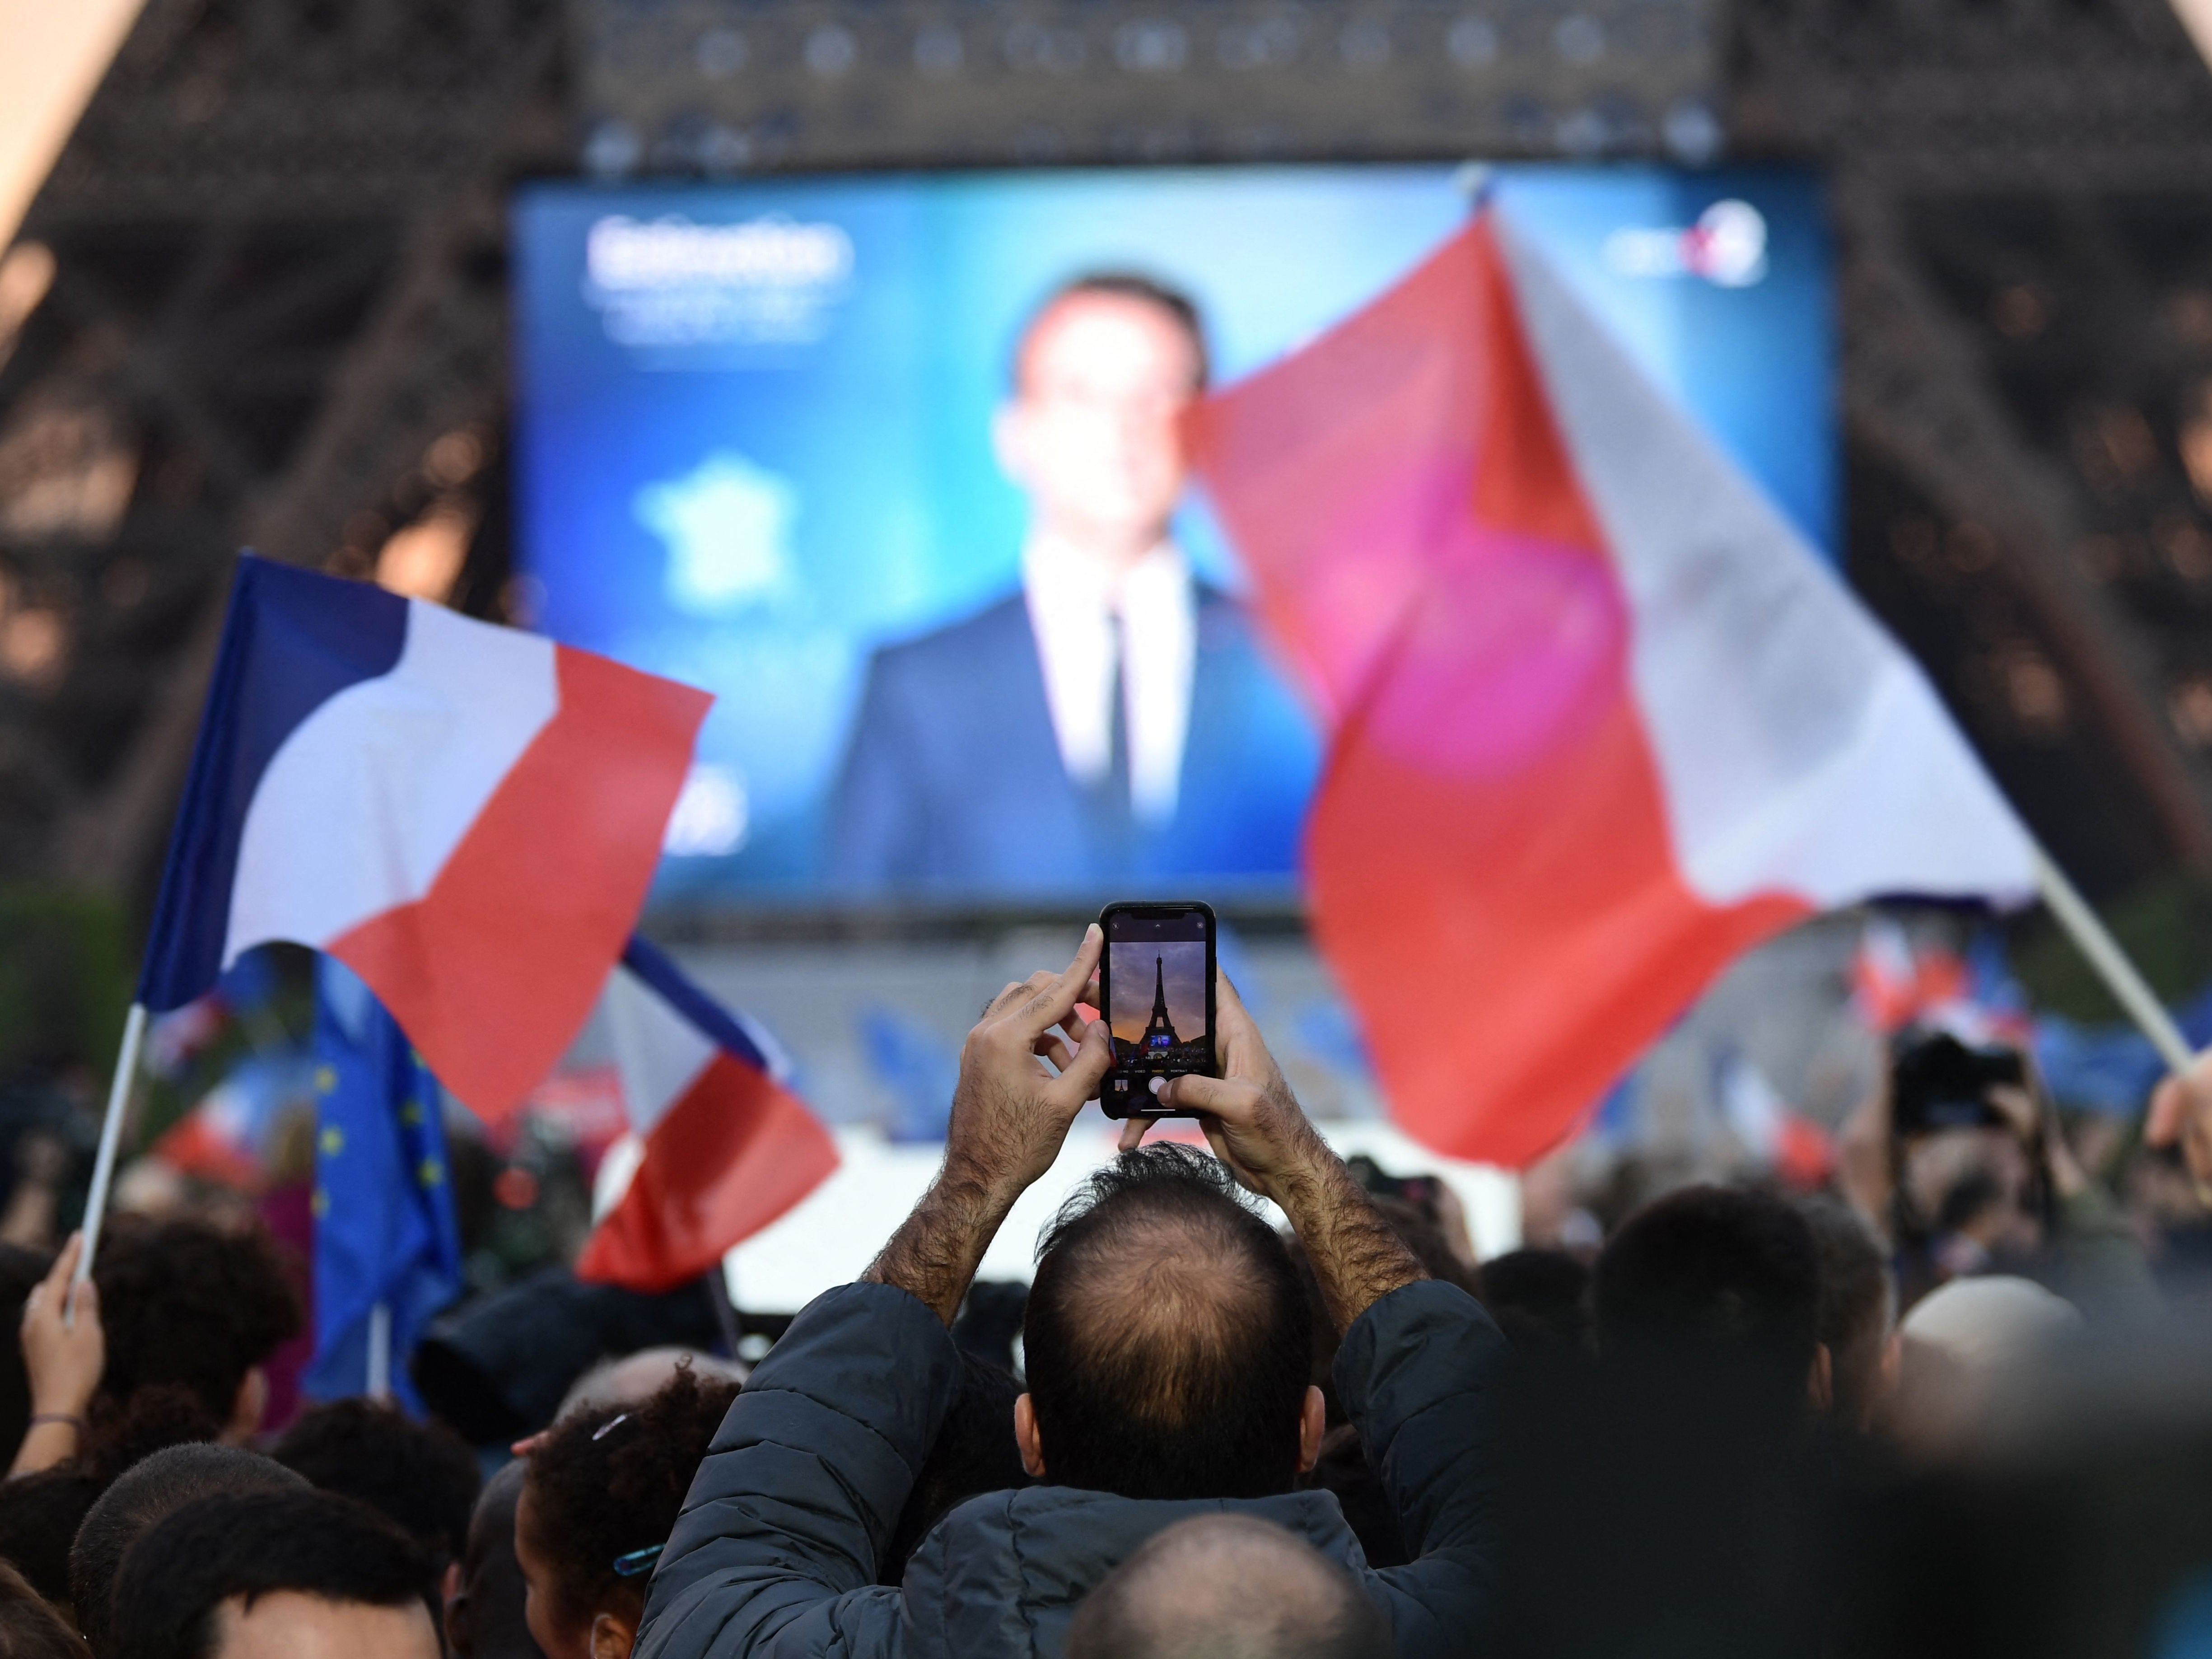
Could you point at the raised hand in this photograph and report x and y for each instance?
(1009, 1117)
(64, 1352)
(2181, 1110)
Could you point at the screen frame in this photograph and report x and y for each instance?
(1160, 910)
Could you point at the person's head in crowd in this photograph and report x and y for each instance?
(29, 1627)
(245, 1575)
(1167, 1340)
(975, 1453)
(160, 1415)
(185, 1302)
(39, 1515)
(1227, 1587)
(1858, 1303)
(142, 1497)
(486, 1598)
(631, 1378)
(605, 1487)
(1541, 1300)
(1718, 1276)
(1101, 377)
(421, 1474)
(1958, 1348)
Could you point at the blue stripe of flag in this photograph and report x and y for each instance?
(651, 964)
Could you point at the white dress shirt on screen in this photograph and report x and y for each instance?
(1089, 619)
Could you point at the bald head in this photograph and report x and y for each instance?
(1167, 1339)
(1227, 1587)
(636, 1377)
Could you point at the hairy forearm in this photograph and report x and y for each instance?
(1356, 1256)
(934, 1254)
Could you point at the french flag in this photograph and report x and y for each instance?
(1601, 717)
(726, 1148)
(466, 816)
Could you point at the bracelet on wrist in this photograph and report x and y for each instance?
(69, 1418)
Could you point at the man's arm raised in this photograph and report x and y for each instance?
(1258, 1129)
(776, 1553)
(1009, 1117)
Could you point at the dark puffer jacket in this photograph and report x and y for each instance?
(775, 1557)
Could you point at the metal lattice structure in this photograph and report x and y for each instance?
(276, 315)
(720, 85)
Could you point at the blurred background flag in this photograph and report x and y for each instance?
(722, 1146)
(1603, 718)
(384, 1231)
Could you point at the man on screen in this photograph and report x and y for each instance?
(1114, 718)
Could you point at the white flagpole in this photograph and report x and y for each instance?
(379, 1350)
(2097, 943)
(111, 1138)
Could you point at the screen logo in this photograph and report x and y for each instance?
(671, 282)
(1727, 248)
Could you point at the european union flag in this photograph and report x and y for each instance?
(384, 1233)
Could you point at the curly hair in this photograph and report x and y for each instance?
(185, 1302)
(608, 1480)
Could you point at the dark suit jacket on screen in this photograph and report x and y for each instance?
(952, 781)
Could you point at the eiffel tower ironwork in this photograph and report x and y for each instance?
(1160, 1034)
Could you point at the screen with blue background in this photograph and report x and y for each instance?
(754, 424)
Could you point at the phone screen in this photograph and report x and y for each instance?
(1157, 980)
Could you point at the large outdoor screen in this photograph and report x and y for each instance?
(888, 463)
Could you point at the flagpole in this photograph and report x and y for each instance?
(379, 1350)
(111, 1138)
(2127, 986)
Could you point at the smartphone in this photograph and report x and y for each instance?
(1156, 986)
(1938, 1083)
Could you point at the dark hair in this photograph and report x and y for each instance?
(39, 1515)
(1167, 1340)
(29, 1628)
(1719, 1273)
(141, 1498)
(487, 1620)
(1857, 1300)
(1538, 1299)
(1227, 1584)
(608, 1482)
(186, 1302)
(974, 1452)
(421, 1474)
(121, 1434)
(1123, 285)
(256, 1544)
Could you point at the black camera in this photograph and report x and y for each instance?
(1937, 1082)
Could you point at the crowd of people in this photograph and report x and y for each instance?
(1750, 1423)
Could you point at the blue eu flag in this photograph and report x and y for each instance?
(387, 1252)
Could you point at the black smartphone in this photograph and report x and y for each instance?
(1937, 1082)
(1156, 983)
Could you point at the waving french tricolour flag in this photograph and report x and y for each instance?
(724, 1148)
(1601, 718)
(466, 816)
